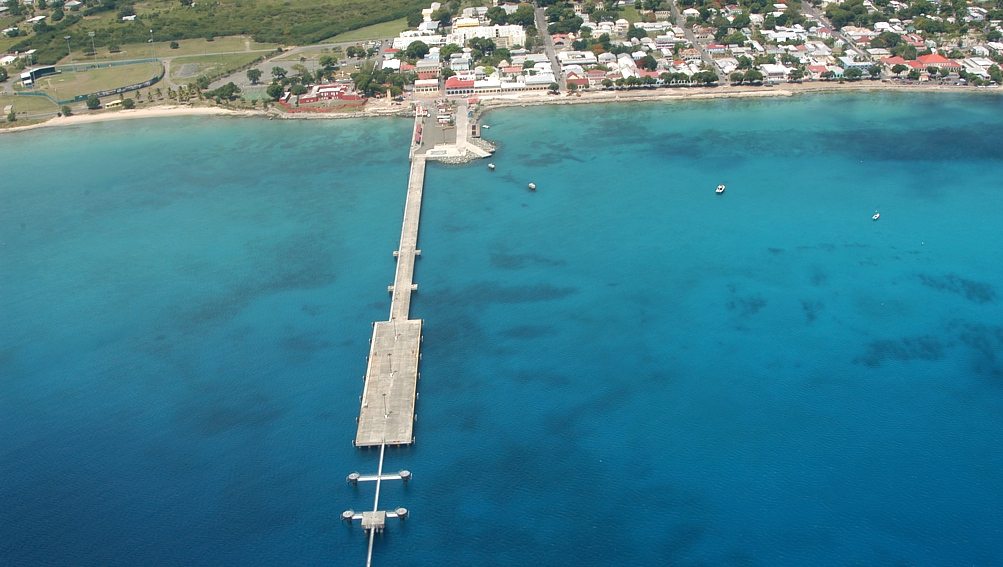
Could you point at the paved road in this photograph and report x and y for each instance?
(548, 46)
(817, 15)
(688, 30)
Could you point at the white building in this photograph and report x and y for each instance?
(503, 36)
(406, 38)
(568, 58)
(774, 72)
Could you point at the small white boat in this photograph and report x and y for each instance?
(876, 215)
(720, 189)
(532, 186)
(491, 166)
(485, 126)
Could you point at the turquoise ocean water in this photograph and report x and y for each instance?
(621, 368)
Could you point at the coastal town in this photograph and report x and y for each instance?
(494, 49)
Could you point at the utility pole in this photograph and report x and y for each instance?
(68, 52)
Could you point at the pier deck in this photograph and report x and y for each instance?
(386, 416)
(387, 413)
(400, 306)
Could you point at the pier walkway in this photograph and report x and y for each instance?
(386, 416)
(387, 411)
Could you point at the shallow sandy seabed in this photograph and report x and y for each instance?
(521, 99)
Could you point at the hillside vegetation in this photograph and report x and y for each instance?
(287, 22)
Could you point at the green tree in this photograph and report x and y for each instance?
(93, 102)
(298, 89)
(65, 110)
(416, 50)
(443, 16)
(606, 83)
(737, 38)
(229, 91)
(482, 46)
(554, 87)
(57, 14)
(633, 32)
(11, 117)
(648, 62)
(128, 104)
(278, 73)
(737, 77)
(497, 16)
(3, 74)
(874, 71)
(853, 73)
(913, 75)
(899, 68)
(754, 76)
(996, 74)
(447, 50)
(275, 90)
(254, 75)
(886, 39)
(174, 45)
(523, 15)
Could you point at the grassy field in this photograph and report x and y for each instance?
(65, 86)
(631, 14)
(287, 22)
(187, 69)
(185, 47)
(376, 31)
(29, 104)
(311, 53)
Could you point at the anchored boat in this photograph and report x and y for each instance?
(720, 189)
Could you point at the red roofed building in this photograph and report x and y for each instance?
(457, 86)
(893, 61)
(406, 67)
(573, 78)
(815, 71)
(595, 76)
(333, 91)
(937, 60)
(511, 71)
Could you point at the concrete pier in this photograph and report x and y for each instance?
(400, 305)
(386, 416)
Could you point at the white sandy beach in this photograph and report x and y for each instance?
(153, 112)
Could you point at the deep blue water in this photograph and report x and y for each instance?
(621, 368)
